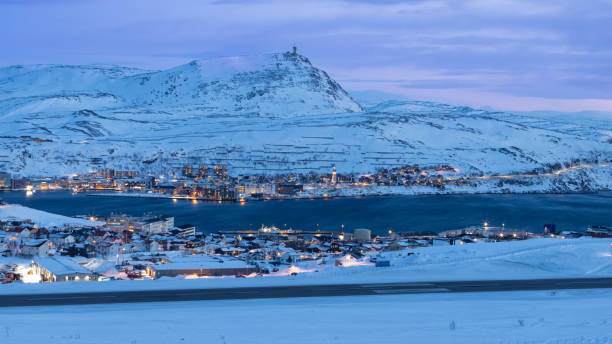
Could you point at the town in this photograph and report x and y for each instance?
(150, 247)
(214, 183)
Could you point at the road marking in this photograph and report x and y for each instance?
(410, 291)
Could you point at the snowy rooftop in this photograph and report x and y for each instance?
(59, 265)
(202, 262)
(35, 242)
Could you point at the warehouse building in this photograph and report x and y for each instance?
(60, 269)
(201, 266)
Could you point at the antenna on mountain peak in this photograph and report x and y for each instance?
(294, 49)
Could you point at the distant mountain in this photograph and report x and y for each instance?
(272, 85)
(264, 114)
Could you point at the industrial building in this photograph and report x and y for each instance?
(201, 266)
(362, 234)
(60, 269)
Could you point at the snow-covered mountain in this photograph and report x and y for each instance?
(263, 114)
(274, 84)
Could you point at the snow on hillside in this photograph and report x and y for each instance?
(41, 218)
(265, 114)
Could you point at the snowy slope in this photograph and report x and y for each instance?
(263, 114)
(41, 218)
(274, 84)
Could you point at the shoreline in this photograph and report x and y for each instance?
(316, 197)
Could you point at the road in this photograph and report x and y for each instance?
(299, 291)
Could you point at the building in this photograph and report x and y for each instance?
(35, 247)
(255, 188)
(334, 177)
(200, 266)
(60, 269)
(203, 171)
(442, 241)
(362, 234)
(187, 171)
(126, 174)
(598, 231)
(106, 173)
(184, 231)
(220, 172)
(550, 228)
(289, 189)
(158, 224)
(5, 180)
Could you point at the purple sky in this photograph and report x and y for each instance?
(505, 54)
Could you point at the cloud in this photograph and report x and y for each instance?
(515, 7)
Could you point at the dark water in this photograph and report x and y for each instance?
(399, 213)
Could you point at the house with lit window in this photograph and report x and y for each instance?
(61, 269)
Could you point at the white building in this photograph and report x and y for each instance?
(362, 234)
(265, 189)
(159, 224)
(60, 269)
(35, 247)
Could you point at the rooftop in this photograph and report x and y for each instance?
(201, 262)
(59, 265)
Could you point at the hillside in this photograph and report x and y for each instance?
(264, 114)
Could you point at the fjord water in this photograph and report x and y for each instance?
(398, 213)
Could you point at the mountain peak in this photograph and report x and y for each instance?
(279, 84)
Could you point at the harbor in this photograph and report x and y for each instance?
(435, 213)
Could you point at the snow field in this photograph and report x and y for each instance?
(511, 317)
